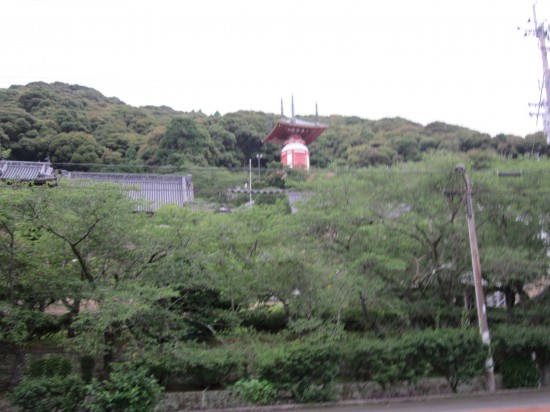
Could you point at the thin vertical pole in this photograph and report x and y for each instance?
(541, 35)
(250, 180)
(478, 285)
(259, 156)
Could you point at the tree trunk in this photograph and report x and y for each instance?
(109, 338)
(73, 313)
(510, 295)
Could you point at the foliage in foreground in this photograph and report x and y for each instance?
(49, 384)
(457, 355)
(125, 391)
(306, 369)
(255, 391)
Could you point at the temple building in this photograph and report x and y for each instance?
(295, 135)
(149, 191)
(30, 172)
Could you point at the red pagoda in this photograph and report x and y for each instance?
(295, 135)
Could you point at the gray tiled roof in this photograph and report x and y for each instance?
(152, 190)
(26, 171)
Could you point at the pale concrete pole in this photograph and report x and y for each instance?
(259, 156)
(250, 181)
(478, 286)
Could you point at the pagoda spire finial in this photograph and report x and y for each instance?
(292, 97)
(282, 112)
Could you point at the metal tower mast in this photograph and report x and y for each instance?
(541, 33)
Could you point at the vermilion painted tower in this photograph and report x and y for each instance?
(295, 135)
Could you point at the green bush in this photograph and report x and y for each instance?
(87, 364)
(522, 341)
(52, 365)
(458, 355)
(378, 360)
(46, 394)
(190, 368)
(258, 392)
(512, 345)
(125, 391)
(519, 373)
(432, 313)
(264, 319)
(49, 385)
(24, 325)
(376, 319)
(307, 369)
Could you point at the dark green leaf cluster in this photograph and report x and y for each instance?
(49, 385)
(255, 391)
(125, 391)
(192, 367)
(306, 369)
(456, 354)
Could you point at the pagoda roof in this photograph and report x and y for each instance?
(285, 128)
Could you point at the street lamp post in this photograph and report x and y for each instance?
(478, 286)
(250, 182)
(259, 156)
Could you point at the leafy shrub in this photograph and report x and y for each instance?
(307, 369)
(87, 364)
(272, 199)
(376, 360)
(431, 313)
(458, 355)
(22, 325)
(304, 327)
(189, 368)
(376, 319)
(308, 390)
(519, 373)
(48, 384)
(265, 319)
(514, 344)
(52, 365)
(481, 159)
(125, 391)
(521, 341)
(46, 394)
(258, 392)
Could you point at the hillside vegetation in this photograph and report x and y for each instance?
(76, 124)
(370, 280)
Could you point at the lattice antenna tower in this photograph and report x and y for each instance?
(541, 33)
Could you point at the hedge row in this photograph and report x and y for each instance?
(307, 368)
(455, 354)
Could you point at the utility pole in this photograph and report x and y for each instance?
(478, 286)
(541, 34)
(250, 182)
(259, 156)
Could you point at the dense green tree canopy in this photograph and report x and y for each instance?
(32, 117)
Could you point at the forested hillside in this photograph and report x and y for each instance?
(76, 124)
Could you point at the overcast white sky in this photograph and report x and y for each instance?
(459, 61)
